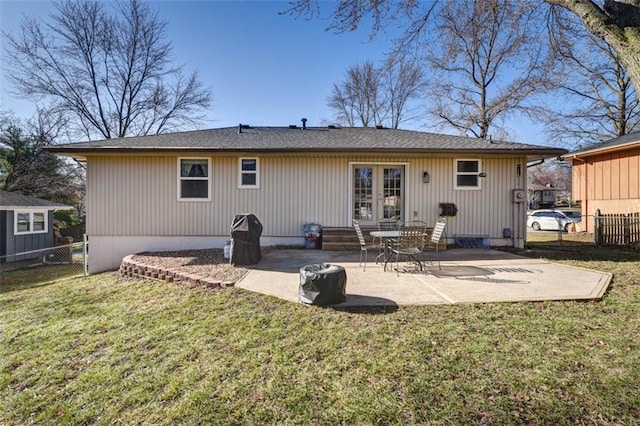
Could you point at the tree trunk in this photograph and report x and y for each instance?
(617, 24)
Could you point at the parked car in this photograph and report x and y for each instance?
(550, 220)
(574, 214)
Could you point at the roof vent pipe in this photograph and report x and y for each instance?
(304, 123)
(239, 128)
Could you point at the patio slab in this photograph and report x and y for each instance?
(467, 276)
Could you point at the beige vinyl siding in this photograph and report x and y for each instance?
(138, 196)
(134, 195)
(486, 211)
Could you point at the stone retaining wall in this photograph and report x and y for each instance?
(129, 268)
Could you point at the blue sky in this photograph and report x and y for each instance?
(264, 68)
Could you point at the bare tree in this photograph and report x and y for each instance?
(487, 64)
(485, 56)
(348, 15)
(355, 100)
(377, 96)
(599, 101)
(617, 22)
(108, 70)
(26, 168)
(555, 175)
(404, 80)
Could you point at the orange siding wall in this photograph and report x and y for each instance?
(609, 182)
(616, 175)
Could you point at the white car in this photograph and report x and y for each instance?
(550, 220)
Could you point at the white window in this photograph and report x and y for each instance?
(249, 176)
(27, 222)
(194, 183)
(39, 222)
(467, 174)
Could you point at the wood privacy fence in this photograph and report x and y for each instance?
(617, 229)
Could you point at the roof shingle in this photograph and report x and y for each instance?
(619, 142)
(285, 139)
(14, 199)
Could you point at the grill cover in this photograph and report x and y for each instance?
(246, 230)
(322, 284)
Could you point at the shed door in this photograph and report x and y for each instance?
(378, 193)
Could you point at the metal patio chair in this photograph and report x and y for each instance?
(385, 225)
(434, 241)
(410, 243)
(364, 247)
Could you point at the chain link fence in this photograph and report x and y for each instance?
(45, 264)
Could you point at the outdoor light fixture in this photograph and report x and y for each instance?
(425, 177)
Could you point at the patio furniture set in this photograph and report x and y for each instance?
(409, 240)
(325, 284)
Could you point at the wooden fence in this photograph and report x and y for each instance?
(617, 229)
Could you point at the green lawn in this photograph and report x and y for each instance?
(102, 351)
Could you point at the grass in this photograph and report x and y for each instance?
(98, 350)
(30, 276)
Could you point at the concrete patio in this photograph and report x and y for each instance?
(467, 276)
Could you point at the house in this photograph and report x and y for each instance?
(26, 225)
(542, 196)
(182, 190)
(607, 177)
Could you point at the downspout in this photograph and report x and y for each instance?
(535, 163)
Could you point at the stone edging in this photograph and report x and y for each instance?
(138, 270)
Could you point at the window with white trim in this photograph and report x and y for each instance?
(249, 173)
(194, 183)
(30, 222)
(466, 174)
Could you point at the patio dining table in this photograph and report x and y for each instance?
(385, 237)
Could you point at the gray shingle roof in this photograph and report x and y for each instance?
(15, 200)
(621, 141)
(286, 139)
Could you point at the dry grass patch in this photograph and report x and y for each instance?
(98, 351)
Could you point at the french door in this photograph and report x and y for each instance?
(378, 192)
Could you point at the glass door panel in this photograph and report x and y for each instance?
(392, 181)
(363, 194)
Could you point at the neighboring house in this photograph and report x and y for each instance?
(26, 224)
(607, 177)
(182, 190)
(541, 196)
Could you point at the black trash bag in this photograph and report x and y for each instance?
(246, 230)
(322, 284)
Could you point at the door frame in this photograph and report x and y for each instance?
(405, 183)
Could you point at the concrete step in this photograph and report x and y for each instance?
(335, 239)
(340, 246)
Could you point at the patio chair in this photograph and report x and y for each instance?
(388, 225)
(363, 245)
(434, 241)
(410, 244)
